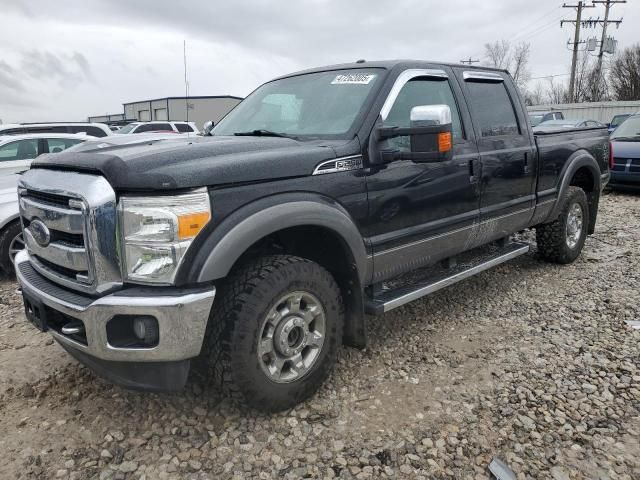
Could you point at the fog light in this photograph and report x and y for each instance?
(146, 330)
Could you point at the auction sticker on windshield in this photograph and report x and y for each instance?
(353, 79)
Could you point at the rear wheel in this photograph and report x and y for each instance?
(274, 332)
(561, 241)
(11, 242)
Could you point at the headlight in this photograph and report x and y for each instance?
(157, 231)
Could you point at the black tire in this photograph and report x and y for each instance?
(10, 232)
(552, 237)
(236, 326)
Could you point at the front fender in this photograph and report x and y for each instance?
(243, 228)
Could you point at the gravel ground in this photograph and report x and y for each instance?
(529, 362)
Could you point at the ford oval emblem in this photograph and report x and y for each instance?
(40, 233)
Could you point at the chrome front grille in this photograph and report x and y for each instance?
(69, 223)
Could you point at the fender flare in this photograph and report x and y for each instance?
(579, 159)
(244, 227)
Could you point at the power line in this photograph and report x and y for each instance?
(549, 76)
(531, 29)
(532, 25)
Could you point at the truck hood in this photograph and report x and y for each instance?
(625, 149)
(176, 163)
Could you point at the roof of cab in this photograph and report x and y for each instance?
(388, 65)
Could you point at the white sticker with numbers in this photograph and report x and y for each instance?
(353, 79)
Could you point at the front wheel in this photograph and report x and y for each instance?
(274, 332)
(11, 242)
(561, 241)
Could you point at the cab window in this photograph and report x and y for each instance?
(56, 145)
(492, 108)
(416, 92)
(19, 150)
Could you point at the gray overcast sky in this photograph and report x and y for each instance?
(65, 60)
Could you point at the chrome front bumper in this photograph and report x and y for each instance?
(182, 316)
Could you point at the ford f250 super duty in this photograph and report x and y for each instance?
(325, 196)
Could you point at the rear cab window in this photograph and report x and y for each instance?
(492, 107)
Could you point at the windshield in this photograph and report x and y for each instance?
(128, 128)
(535, 119)
(629, 129)
(320, 105)
(618, 119)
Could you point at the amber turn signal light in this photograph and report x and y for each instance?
(445, 142)
(189, 225)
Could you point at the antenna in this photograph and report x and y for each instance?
(186, 83)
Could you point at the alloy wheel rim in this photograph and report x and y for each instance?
(16, 246)
(574, 225)
(292, 337)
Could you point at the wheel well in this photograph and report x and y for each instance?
(328, 249)
(585, 179)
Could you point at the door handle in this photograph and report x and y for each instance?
(473, 178)
(526, 162)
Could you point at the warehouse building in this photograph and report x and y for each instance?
(198, 109)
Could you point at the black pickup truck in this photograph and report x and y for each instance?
(325, 196)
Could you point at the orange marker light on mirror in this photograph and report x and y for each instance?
(190, 225)
(445, 142)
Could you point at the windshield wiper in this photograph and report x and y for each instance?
(264, 133)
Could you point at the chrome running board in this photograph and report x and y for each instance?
(394, 298)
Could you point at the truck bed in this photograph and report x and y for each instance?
(555, 147)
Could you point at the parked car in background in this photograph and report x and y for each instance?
(617, 120)
(102, 144)
(114, 128)
(567, 123)
(536, 118)
(146, 127)
(92, 129)
(625, 150)
(17, 151)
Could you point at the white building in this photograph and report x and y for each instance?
(198, 109)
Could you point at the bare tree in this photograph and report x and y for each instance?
(519, 65)
(498, 53)
(624, 74)
(556, 92)
(535, 96)
(515, 59)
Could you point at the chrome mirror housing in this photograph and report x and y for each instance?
(428, 115)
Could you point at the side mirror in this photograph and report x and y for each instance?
(430, 135)
(433, 131)
(208, 126)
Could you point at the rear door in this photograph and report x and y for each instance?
(507, 153)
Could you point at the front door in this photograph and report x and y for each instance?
(420, 213)
(508, 155)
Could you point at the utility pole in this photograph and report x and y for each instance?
(576, 43)
(470, 61)
(186, 83)
(605, 22)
